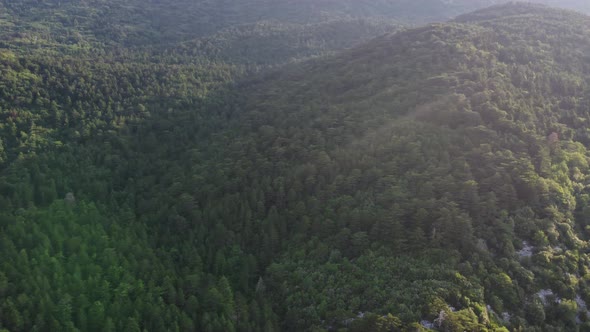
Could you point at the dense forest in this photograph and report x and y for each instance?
(216, 166)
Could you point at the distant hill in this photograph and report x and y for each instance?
(134, 22)
(274, 42)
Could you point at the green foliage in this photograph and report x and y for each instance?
(388, 184)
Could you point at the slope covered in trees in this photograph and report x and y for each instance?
(467, 137)
(435, 175)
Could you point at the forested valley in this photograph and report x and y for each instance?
(264, 166)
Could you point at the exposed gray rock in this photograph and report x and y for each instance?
(526, 251)
(581, 303)
(70, 198)
(546, 294)
(427, 324)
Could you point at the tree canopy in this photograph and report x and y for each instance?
(278, 176)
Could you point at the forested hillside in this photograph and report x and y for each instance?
(256, 171)
(440, 167)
